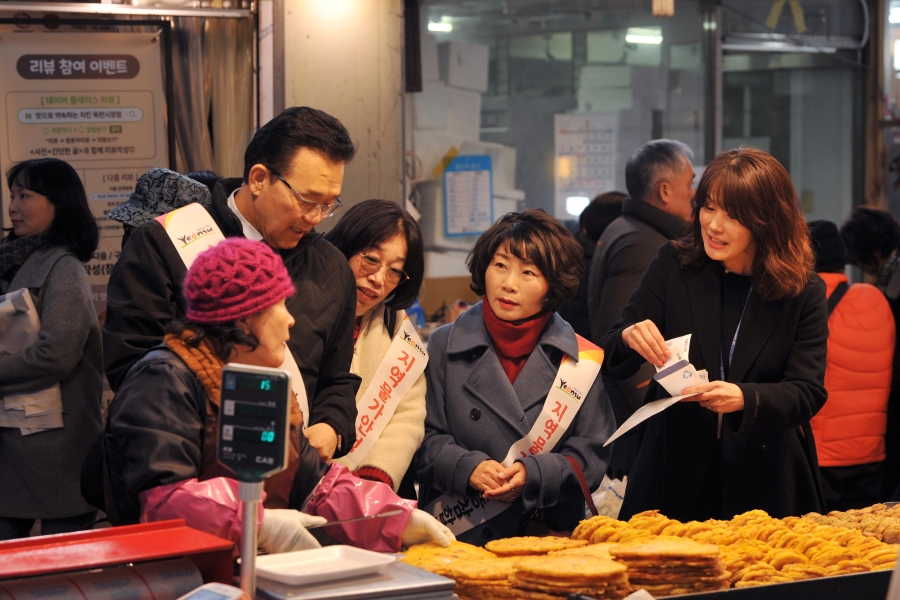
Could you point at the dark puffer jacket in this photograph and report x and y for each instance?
(162, 430)
(144, 295)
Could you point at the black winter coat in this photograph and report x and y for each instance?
(768, 455)
(144, 295)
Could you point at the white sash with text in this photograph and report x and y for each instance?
(400, 368)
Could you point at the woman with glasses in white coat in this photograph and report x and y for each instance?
(383, 244)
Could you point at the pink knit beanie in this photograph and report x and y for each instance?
(234, 279)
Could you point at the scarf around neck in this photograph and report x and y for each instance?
(514, 341)
(14, 253)
(206, 365)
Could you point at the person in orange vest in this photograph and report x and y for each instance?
(849, 430)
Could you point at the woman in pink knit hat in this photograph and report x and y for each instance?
(162, 435)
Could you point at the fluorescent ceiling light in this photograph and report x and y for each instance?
(644, 35)
(576, 204)
(894, 16)
(440, 27)
(897, 55)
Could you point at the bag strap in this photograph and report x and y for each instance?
(583, 483)
(836, 296)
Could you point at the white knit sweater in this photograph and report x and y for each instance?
(394, 450)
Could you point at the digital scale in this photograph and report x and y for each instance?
(254, 425)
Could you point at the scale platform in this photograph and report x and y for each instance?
(397, 580)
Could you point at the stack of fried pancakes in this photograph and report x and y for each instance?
(483, 579)
(669, 566)
(556, 576)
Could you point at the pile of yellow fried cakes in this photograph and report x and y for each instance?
(607, 558)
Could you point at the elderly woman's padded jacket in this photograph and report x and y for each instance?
(474, 414)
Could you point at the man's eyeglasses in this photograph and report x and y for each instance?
(370, 265)
(307, 206)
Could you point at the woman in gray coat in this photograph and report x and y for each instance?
(53, 233)
(516, 418)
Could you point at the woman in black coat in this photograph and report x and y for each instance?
(742, 283)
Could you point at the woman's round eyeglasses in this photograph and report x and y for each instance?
(306, 206)
(370, 265)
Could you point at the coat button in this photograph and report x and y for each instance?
(764, 446)
(487, 533)
(475, 414)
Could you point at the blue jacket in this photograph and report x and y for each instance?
(475, 414)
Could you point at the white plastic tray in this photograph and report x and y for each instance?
(322, 564)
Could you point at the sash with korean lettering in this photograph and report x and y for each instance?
(400, 368)
(571, 385)
(192, 230)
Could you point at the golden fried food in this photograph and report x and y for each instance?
(522, 546)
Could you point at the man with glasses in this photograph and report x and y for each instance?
(293, 172)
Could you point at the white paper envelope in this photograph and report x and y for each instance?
(680, 348)
(677, 377)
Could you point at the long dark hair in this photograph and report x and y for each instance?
(756, 191)
(535, 236)
(73, 227)
(369, 224)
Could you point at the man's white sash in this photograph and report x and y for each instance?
(572, 383)
(400, 368)
(192, 230)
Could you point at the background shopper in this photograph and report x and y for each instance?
(53, 234)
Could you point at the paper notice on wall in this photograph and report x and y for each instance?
(585, 159)
(468, 195)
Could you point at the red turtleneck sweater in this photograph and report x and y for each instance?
(513, 340)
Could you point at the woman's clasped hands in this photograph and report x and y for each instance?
(499, 483)
(718, 396)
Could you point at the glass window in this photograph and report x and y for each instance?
(571, 91)
(792, 86)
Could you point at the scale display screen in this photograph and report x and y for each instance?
(254, 421)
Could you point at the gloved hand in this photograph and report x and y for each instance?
(422, 528)
(284, 530)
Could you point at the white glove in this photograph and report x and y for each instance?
(284, 530)
(422, 528)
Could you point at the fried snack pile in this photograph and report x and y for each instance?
(483, 579)
(667, 566)
(437, 559)
(526, 545)
(879, 520)
(755, 548)
(556, 576)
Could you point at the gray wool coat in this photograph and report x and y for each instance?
(474, 414)
(40, 473)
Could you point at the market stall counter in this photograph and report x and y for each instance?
(752, 556)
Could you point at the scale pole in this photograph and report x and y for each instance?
(250, 494)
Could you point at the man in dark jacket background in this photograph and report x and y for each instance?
(293, 173)
(659, 179)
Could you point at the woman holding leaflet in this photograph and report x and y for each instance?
(742, 283)
(516, 415)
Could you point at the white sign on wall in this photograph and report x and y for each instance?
(585, 159)
(94, 100)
